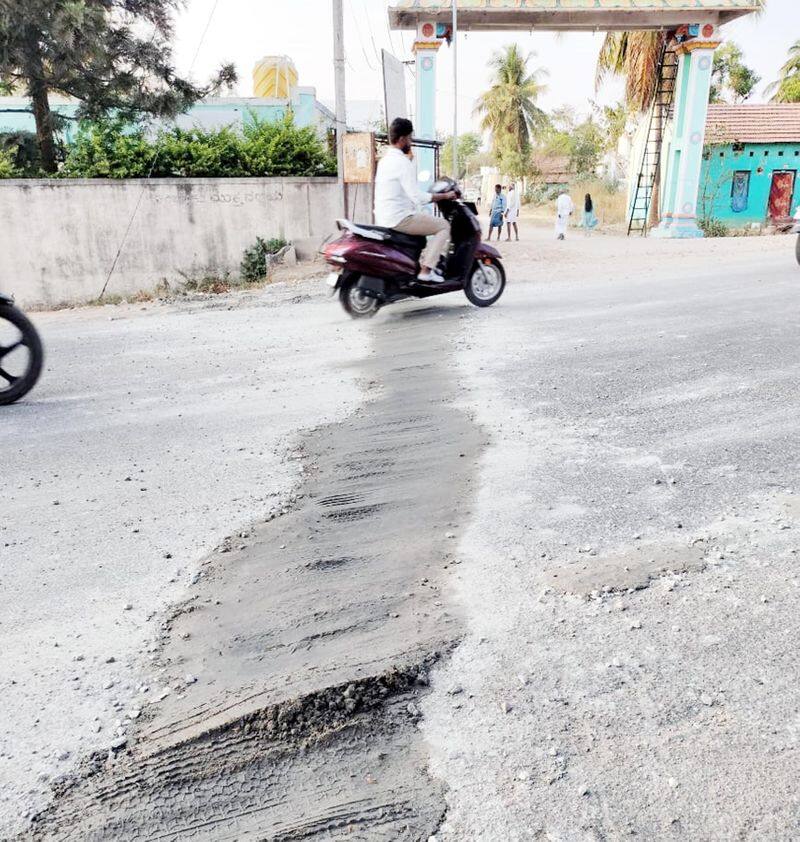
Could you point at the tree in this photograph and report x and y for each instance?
(97, 52)
(636, 56)
(731, 79)
(787, 87)
(508, 109)
(613, 122)
(469, 145)
(582, 141)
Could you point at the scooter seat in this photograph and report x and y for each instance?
(407, 242)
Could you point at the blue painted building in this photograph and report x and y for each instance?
(212, 113)
(274, 79)
(751, 161)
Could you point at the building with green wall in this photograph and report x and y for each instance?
(751, 160)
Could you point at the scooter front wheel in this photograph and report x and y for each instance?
(355, 302)
(486, 283)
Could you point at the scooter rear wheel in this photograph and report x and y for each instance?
(356, 303)
(486, 283)
(21, 354)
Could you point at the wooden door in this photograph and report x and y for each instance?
(780, 194)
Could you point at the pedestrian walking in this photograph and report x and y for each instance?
(564, 210)
(512, 212)
(589, 218)
(497, 212)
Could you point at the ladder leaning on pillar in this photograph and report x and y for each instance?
(660, 113)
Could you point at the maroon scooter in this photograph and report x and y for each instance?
(376, 266)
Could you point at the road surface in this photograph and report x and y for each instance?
(524, 573)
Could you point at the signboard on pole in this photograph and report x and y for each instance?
(394, 88)
(359, 158)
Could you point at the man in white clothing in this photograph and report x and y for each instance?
(398, 200)
(512, 211)
(564, 210)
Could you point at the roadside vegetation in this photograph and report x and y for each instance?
(109, 56)
(115, 149)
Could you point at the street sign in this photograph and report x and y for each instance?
(394, 88)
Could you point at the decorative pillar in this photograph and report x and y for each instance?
(681, 185)
(426, 48)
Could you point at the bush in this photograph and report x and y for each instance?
(7, 168)
(114, 149)
(22, 150)
(540, 194)
(255, 262)
(280, 148)
(713, 227)
(109, 149)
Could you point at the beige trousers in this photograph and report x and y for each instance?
(424, 225)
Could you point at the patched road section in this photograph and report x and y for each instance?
(283, 702)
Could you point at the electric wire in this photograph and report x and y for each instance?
(360, 39)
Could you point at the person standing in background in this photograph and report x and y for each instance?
(564, 210)
(497, 212)
(512, 212)
(589, 218)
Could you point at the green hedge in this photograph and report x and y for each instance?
(114, 149)
(7, 168)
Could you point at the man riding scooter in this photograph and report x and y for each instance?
(398, 201)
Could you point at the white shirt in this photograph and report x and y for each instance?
(513, 201)
(564, 205)
(397, 194)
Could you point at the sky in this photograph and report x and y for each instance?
(243, 31)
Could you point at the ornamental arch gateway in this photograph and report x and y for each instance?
(699, 21)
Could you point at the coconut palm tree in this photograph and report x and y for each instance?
(508, 109)
(787, 86)
(636, 56)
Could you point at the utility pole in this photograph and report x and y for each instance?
(455, 90)
(341, 102)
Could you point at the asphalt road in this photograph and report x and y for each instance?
(632, 581)
(604, 543)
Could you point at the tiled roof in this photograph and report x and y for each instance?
(552, 167)
(779, 123)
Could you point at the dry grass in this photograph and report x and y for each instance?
(610, 206)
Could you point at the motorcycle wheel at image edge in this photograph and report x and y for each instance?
(12, 390)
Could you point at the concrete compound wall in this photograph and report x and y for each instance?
(58, 238)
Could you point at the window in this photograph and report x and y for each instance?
(740, 191)
(766, 153)
(721, 154)
(752, 154)
(780, 154)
